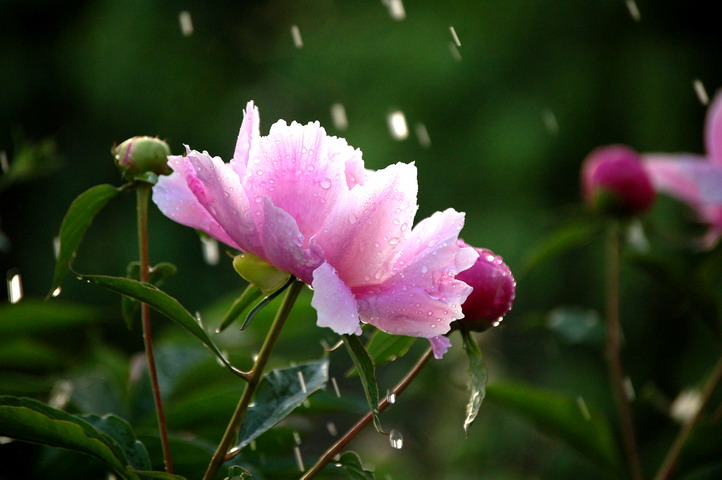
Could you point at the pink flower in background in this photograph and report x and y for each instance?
(494, 290)
(614, 181)
(695, 179)
(303, 201)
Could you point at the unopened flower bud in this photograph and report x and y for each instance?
(139, 155)
(493, 294)
(259, 272)
(614, 181)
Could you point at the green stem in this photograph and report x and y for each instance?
(253, 380)
(336, 448)
(613, 355)
(667, 469)
(143, 195)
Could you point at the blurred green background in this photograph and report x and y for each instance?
(510, 115)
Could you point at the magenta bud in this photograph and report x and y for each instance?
(614, 181)
(140, 155)
(493, 291)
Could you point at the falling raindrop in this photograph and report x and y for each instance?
(302, 381)
(186, 23)
(396, 9)
(296, 34)
(397, 125)
(296, 438)
(422, 135)
(454, 51)
(633, 10)
(583, 408)
(700, 91)
(15, 286)
(299, 460)
(4, 165)
(211, 254)
(550, 121)
(396, 439)
(331, 427)
(56, 247)
(253, 445)
(335, 387)
(629, 389)
(686, 406)
(338, 116)
(60, 394)
(455, 36)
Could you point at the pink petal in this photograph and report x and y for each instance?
(334, 302)
(713, 130)
(218, 189)
(440, 345)
(687, 177)
(284, 244)
(246, 136)
(423, 296)
(175, 199)
(302, 170)
(371, 223)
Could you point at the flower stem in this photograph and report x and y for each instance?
(253, 380)
(667, 469)
(613, 355)
(336, 448)
(142, 196)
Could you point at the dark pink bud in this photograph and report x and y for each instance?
(493, 293)
(614, 181)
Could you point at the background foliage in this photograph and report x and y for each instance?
(538, 85)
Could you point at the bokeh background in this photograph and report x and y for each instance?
(510, 114)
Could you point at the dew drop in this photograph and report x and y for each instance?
(326, 183)
(396, 439)
(394, 241)
(259, 172)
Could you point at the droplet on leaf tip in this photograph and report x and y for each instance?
(396, 439)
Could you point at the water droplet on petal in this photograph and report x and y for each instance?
(424, 269)
(326, 183)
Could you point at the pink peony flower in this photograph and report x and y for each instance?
(303, 201)
(695, 179)
(614, 181)
(493, 294)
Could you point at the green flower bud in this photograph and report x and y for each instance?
(259, 272)
(141, 155)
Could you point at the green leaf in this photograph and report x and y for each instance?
(351, 462)
(383, 347)
(28, 353)
(249, 295)
(31, 421)
(76, 222)
(236, 472)
(163, 303)
(477, 379)
(579, 425)
(156, 275)
(158, 475)
(278, 394)
(31, 160)
(566, 237)
(31, 317)
(123, 434)
(365, 366)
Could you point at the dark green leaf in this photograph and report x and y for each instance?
(156, 275)
(278, 394)
(123, 434)
(236, 472)
(582, 427)
(159, 475)
(160, 301)
(477, 379)
(564, 238)
(28, 353)
(351, 462)
(383, 347)
(31, 421)
(32, 160)
(76, 222)
(365, 366)
(34, 316)
(249, 295)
